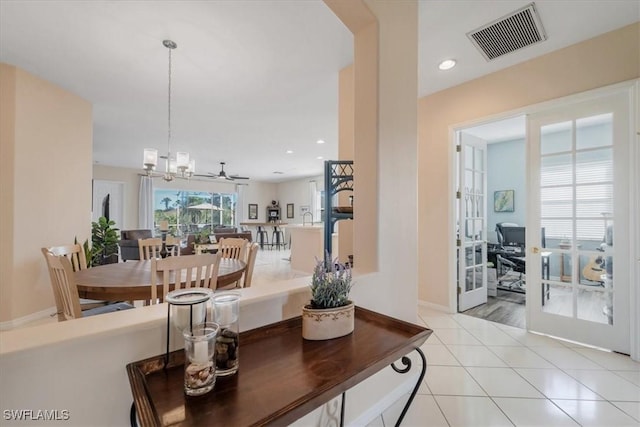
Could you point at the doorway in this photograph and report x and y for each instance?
(571, 208)
(503, 190)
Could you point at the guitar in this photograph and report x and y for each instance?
(594, 269)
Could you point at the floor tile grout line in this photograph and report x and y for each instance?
(624, 411)
(433, 396)
(616, 372)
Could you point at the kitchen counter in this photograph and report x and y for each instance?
(307, 245)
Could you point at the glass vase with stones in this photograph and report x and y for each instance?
(226, 308)
(187, 309)
(200, 353)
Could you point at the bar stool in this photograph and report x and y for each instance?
(262, 237)
(277, 238)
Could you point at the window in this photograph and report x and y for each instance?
(577, 178)
(192, 211)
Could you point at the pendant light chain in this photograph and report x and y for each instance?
(181, 163)
(169, 112)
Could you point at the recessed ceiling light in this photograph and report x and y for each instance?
(289, 151)
(319, 157)
(320, 141)
(447, 64)
(278, 172)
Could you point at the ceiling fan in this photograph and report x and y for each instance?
(223, 175)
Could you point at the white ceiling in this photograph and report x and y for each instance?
(251, 79)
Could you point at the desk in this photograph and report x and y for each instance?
(282, 377)
(567, 277)
(131, 281)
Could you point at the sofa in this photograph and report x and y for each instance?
(129, 243)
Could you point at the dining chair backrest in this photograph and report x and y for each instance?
(233, 247)
(149, 248)
(188, 271)
(64, 286)
(251, 262)
(75, 253)
(173, 245)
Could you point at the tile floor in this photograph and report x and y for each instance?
(482, 373)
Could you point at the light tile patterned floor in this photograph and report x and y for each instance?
(482, 373)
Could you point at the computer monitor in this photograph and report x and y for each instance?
(513, 236)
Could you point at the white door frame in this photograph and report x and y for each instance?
(633, 89)
(102, 187)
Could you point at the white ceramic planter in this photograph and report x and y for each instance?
(324, 324)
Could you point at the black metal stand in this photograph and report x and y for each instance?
(133, 419)
(166, 356)
(406, 361)
(407, 367)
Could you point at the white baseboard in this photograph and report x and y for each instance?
(20, 321)
(433, 306)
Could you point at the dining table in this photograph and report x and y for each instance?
(131, 280)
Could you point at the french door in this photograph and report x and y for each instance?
(577, 225)
(472, 223)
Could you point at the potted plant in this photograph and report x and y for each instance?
(104, 242)
(330, 313)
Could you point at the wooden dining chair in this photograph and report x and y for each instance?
(149, 248)
(173, 245)
(65, 290)
(75, 254)
(188, 271)
(233, 247)
(251, 262)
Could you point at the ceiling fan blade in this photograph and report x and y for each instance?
(238, 177)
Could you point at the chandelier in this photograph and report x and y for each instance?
(180, 165)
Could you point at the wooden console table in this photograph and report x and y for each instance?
(282, 377)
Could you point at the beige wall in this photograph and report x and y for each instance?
(363, 23)
(385, 152)
(296, 192)
(47, 184)
(604, 60)
(7, 150)
(345, 152)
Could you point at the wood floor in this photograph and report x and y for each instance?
(507, 308)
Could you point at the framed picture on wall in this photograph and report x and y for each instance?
(289, 210)
(503, 201)
(253, 211)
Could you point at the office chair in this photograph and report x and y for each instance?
(500, 232)
(511, 258)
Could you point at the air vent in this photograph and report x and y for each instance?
(512, 32)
